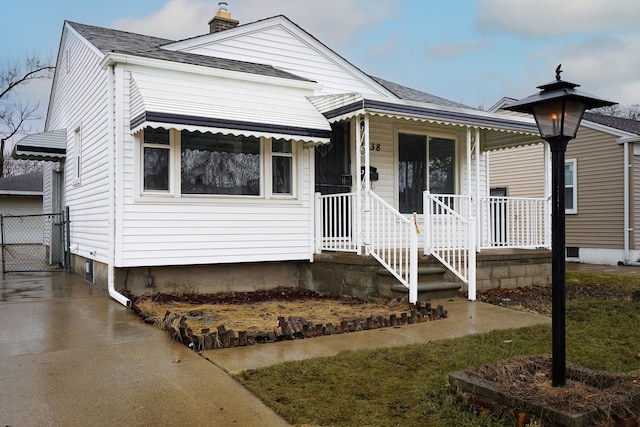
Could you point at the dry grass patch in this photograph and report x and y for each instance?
(264, 315)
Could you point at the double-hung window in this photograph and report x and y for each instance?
(217, 164)
(570, 186)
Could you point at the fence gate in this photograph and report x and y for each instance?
(34, 242)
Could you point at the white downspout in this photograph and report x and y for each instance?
(627, 229)
(478, 204)
(112, 196)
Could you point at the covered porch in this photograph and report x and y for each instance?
(381, 216)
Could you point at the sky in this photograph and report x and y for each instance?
(470, 51)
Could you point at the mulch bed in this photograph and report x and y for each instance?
(232, 319)
(520, 387)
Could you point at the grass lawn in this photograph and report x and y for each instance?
(407, 386)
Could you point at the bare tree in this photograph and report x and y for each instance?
(15, 116)
(622, 111)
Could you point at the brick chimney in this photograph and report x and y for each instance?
(222, 21)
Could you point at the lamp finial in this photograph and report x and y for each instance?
(558, 71)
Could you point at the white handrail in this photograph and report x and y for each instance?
(448, 233)
(393, 241)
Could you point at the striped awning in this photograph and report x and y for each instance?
(42, 146)
(218, 105)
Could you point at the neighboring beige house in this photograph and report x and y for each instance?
(602, 195)
(21, 194)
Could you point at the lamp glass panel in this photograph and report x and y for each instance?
(548, 117)
(572, 117)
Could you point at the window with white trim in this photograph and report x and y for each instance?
(282, 167)
(217, 165)
(571, 186)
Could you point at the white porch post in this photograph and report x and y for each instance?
(358, 184)
(366, 180)
(471, 215)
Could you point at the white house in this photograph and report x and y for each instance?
(228, 161)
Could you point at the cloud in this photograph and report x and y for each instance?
(453, 50)
(333, 22)
(550, 18)
(606, 66)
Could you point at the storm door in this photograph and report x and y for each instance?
(333, 162)
(334, 180)
(424, 163)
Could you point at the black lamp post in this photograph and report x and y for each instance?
(558, 109)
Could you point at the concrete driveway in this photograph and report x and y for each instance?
(71, 356)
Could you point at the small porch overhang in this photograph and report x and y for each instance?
(497, 131)
(243, 109)
(51, 146)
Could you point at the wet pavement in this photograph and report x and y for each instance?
(72, 356)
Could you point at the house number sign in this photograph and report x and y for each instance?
(376, 147)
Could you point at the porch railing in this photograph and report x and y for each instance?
(336, 222)
(450, 235)
(514, 222)
(392, 239)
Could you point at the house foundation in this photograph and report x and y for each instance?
(337, 273)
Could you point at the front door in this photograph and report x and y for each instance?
(424, 163)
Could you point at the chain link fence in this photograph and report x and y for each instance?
(33, 243)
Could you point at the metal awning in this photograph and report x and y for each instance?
(219, 105)
(498, 130)
(50, 146)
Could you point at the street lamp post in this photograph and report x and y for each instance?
(558, 109)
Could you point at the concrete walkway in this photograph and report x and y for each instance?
(71, 356)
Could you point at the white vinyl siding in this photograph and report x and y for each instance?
(279, 46)
(79, 96)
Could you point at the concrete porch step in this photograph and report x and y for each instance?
(429, 291)
(422, 271)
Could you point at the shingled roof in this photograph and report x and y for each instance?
(22, 184)
(627, 125)
(410, 94)
(108, 40)
(117, 41)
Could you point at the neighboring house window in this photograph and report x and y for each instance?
(424, 163)
(570, 186)
(281, 167)
(219, 164)
(77, 155)
(156, 160)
